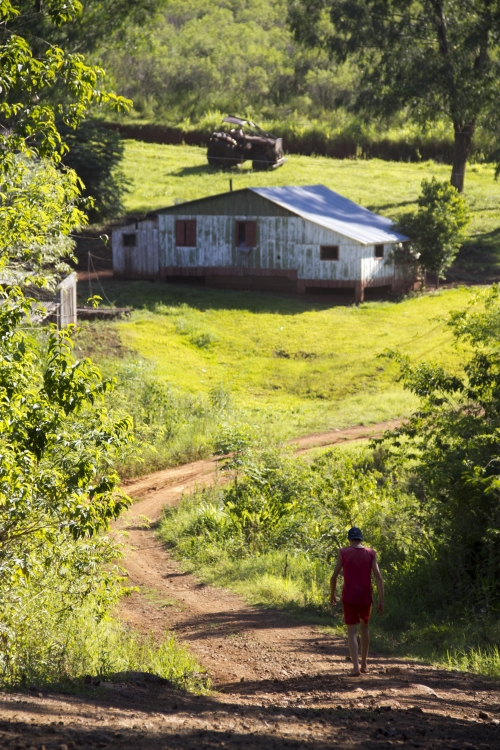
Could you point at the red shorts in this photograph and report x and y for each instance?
(353, 613)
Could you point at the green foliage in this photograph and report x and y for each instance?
(169, 426)
(92, 25)
(485, 661)
(50, 636)
(452, 444)
(479, 322)
(39, 206)
(95, 153)
(437, 229)
(26, 77)
(202, 56)
(283, 508)
(57, 445)
(430, 59)
(287, 366)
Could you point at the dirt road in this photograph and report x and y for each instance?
(279, 683)
(166, 487)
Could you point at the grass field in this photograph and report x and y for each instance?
(159, 175)
(287, 365)
(297, 366)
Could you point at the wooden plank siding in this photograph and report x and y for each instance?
(282, 244)
(286, 255)
(67, 313)
(238, 203)
(140, 261)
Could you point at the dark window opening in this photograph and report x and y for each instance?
(185, 233)
(129, 240)
(246, 234)
(329, 252)
(379, 251)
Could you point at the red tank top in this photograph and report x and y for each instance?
(357, 568)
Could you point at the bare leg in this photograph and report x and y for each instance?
(352, 639)
(365, 643)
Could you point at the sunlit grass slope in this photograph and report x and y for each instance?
(305, 369)
(159, 175)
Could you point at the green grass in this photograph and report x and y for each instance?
(295, 367)
(296, 581)
(290, 366)
(59, 649)
(160, 174)
(480, 661)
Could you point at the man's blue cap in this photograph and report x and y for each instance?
(354, 533)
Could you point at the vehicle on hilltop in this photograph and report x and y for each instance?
(246, 142)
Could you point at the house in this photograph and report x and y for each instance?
(289, 239)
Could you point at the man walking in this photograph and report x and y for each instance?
(358, 563)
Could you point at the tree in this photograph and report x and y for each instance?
(40, 207)
(451, 444)
(85, 28)
(95, 153)
(435, 58)
(58, 441)
(29, 119)
(437, 228)
(36, 204)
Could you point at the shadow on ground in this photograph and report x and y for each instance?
(283, 715)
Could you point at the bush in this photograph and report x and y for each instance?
(282, 522)
(437, 229)
(95, 153)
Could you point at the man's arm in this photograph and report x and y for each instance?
(380, 586)
(333, 579)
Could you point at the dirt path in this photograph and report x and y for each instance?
(279, 683)
(167, 486)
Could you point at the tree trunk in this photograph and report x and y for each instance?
(464, 133)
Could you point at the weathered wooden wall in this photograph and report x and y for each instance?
(283, 244)
(286, 256)
(238, 203)
(142, 260)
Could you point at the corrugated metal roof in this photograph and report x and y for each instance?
(322, 206)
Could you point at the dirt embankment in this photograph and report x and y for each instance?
(279, 683)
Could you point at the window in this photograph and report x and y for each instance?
(185, 233)
(329, 252)
(379, 251)
(129, 240)
(246, 234)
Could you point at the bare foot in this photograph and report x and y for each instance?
(354, 674)
(364, 670)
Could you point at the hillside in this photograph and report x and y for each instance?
(285, 365)
(158, 175)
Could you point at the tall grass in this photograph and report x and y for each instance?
(273, 535)
(56, 624)
(50, 647)
(477, 660)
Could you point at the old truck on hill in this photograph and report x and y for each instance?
(228, 148)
